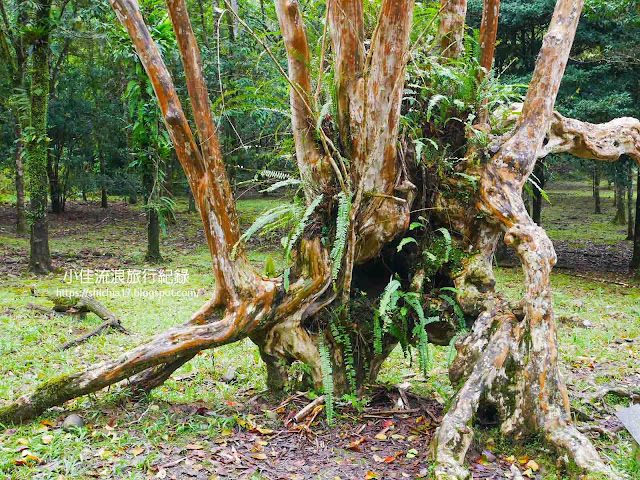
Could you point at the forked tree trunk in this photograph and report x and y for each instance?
(508, 362)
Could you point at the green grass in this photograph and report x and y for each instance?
(117, 428)
(571, 217)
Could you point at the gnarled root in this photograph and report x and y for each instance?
(497, 382)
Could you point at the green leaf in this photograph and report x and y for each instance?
(406, 241)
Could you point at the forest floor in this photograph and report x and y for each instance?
(213, 419)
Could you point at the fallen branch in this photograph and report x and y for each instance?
(302, 414)
(80, 306)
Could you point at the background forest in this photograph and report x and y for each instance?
(87, 163)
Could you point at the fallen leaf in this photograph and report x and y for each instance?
(193, 446)
(370, 475)
(533, 465)
(389, 459)
(355, 444)
(259, 456)
(378, 458)
(412, 453)
(137, 450)
(47, 439)
(380, 436)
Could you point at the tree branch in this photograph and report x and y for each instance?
(294, 35)
(489, 32)
(235, 277)
(451, 29)
(347, 36)
(128, 13)
(605, 141)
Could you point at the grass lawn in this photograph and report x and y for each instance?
(196, 416)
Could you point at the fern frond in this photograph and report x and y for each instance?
(342, 228)
(274, 175)
(262, 221)
(327, 379)
(302, 224)
(283, 183)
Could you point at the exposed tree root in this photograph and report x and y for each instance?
(632, 394)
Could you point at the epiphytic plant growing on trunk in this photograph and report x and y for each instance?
(507, 363)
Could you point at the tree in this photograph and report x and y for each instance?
(597, 170)
(635, 261)
(362, 195)
(14, 53)
(36, 147)
(630, 222)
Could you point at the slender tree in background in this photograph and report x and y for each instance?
(14, 54)
(36, 147)
(620, 217)
(630, 221)
(104, 199)
(635, 261)
(597, 171)
(369, 190)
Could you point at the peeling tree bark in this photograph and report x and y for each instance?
(489, 32)
(451, 30)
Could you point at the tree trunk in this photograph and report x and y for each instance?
(630, 222)
(21, 218)
(451, 30)
(539, 177)
(53, 173)
(635, 261)
(153, 237)
(36, 149)
(621, 207)
(596, 188)
(103, 174)
(192, 202)
(203, 24)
